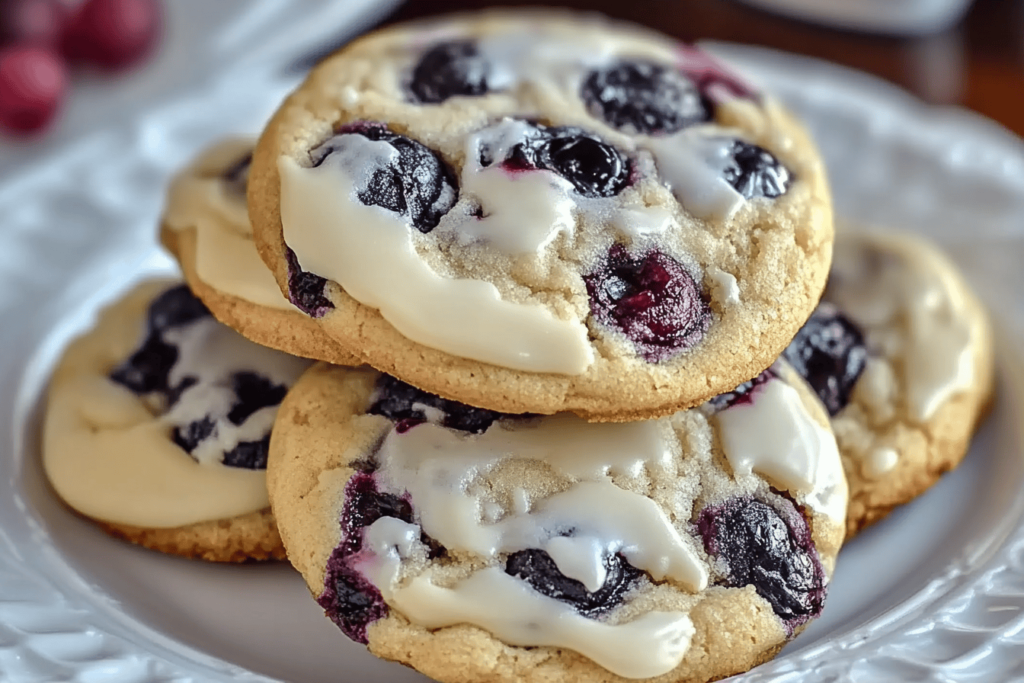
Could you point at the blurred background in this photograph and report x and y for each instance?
(92, 61)
(944, 51)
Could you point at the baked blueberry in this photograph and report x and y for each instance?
(176, 307)
(250, 455)
(829, 353)
(644, 97)
(352, 602)
(742, 394)
(254, 392)
(194, 433)
(306, 290)
(769, 550)
(595, 168)
(408, 406)
(418, 184)
(447, 70)
(755, 172)
(146, 371)
(535, 567)
(651, 299)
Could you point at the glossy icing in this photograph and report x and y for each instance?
(369, 252)
(226, 257)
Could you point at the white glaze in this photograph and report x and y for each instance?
(650, 645)
(213, 352)
(912, 311)
(226, 257)
(777, 437)
(369, 252)
(111, 458)
(879, 462)
(438, 468)
(726, 289)
(691, 164)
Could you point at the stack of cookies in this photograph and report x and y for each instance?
(586, 409)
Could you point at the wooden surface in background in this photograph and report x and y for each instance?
(978, 63)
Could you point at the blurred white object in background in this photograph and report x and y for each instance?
(908, 17)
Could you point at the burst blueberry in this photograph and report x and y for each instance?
(769, 550)
(651, 299)
(754, 172)
(415, 182)
(644, 97)
(405, 404)
(253, 392)
(447, 70)
(829, 353)
(743, 394)
(148, 369)
(535, 567)
(250, 455)
(306, 290)
(595, 168)
(348, 598)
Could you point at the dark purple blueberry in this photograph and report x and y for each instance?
(404, 404)
(743, 394)
(754, 172)
(148, 368)
(254, 392)
(364, 505)
(644, 97)
(419, 185)
(176, 307)
(306, 290)
(250, 455)
(769, 550)
(829, 353)
(236, 177)
(194, 433)
(348, 598)
(448, 70)
(652, 299)
(536, 568)
(595, 168)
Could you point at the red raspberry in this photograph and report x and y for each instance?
(33, 80)
(112, 34)
(31, 21)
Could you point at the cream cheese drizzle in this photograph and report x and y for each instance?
(226, 257)
(912, 311)
(369, 252)
(775, 436)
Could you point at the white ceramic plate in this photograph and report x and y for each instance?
(934, 593)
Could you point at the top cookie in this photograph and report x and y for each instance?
(589, 215)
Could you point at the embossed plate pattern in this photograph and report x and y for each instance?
(935, 593)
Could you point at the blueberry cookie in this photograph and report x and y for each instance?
(158, 427)
(900, 352)
(481, 546)
(206, 228)
(542, 212)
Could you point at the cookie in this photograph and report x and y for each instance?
(206, 228)
(479, 546)
(158, 425)
(900, 352)
(542, 212)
